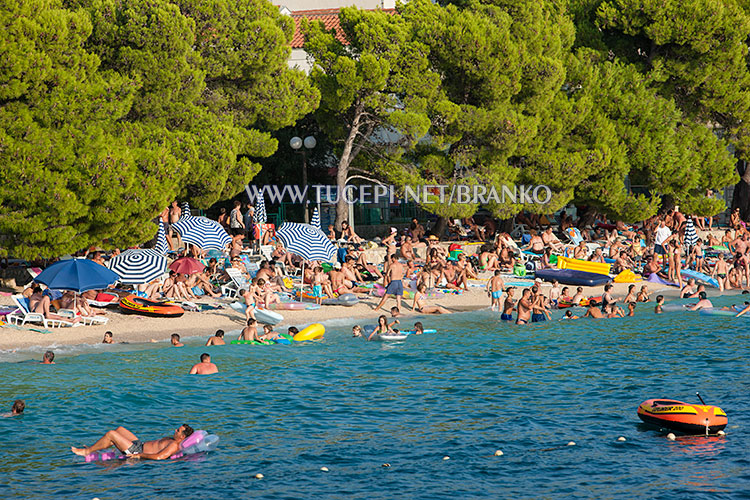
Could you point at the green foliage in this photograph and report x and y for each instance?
(110, 109)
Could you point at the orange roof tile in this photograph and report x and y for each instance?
(330, 18)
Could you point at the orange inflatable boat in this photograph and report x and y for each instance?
(683, 417)
(133, 304)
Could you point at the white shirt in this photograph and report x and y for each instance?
(662, 233)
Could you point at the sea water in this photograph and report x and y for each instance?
(351, 406)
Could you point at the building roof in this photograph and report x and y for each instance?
(330, 18)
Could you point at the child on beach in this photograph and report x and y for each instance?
(317, 283)
(509, 305)
(659, 304)
(578, 297)
(495, 290)
(249, 297)
(383, 327)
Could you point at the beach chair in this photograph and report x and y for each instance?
(232, 289)
(22, 315)
(85, 320)
(575, 238)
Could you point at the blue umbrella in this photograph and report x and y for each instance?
(315, 222)
(306, 241)
(202, 232)
(161, 246)
(78, 275)
(138, 266)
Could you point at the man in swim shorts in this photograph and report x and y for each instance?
(394, 274)
(524, 308)
(128, 443)
(509, 305)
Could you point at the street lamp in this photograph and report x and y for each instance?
(296, 144)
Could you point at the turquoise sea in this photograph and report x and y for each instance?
(475, 387)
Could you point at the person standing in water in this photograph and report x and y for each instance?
(495, 290)
(508, 305)
(394, 274)
(217, 339)
(205, 367)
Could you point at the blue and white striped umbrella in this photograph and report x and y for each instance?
(315, 222)
(306, 241)
(185, 210)
(161, 246)
(260, 209)
(202, 232)
(691, 237)
(138, 266)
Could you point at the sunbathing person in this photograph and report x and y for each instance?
(199, 284)
(420, 303)
(550, 240)
(347, 233)
(128, 443)
(40, 303)
(78, 305)
(536, 244)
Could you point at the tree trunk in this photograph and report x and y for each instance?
(439, 228)
(741, 195)
(342, 207)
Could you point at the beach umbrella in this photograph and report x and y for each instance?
(306, 241)
(185, 210)
(138, 266)
(186, 265)
(78, 275)
(315, 222)
(161, 246)
(202, 232)
(691, 237)
(260, 209)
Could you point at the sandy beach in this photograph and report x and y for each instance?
(133, 328)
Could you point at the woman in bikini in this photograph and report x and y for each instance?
(383, 327)
(420, 303)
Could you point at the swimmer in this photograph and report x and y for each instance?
(593, 312)
(703, 303)
(175, 339)
(659, 304)
(19, 405)
(269, 334)
(205, 367)
(356, 331)
(614, 312)
(48, 358)
(217, 339)
(631, 309)
(250, 332)
(292, 330)
(383, 327)
(508, 305)
(395, 312)
(128, 443)
(569, 315)
(108, 338)
(418, 328)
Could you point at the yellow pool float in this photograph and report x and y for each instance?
(312, 332)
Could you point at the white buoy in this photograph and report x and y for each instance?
(499, 453)
(671, 436)
(571, 443)
(721, 433)
(621, 438)
(446, 457)
(259, 476)
(324, 468)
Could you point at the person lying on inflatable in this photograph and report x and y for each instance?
(128, 443)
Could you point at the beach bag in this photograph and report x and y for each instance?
(519, 270)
